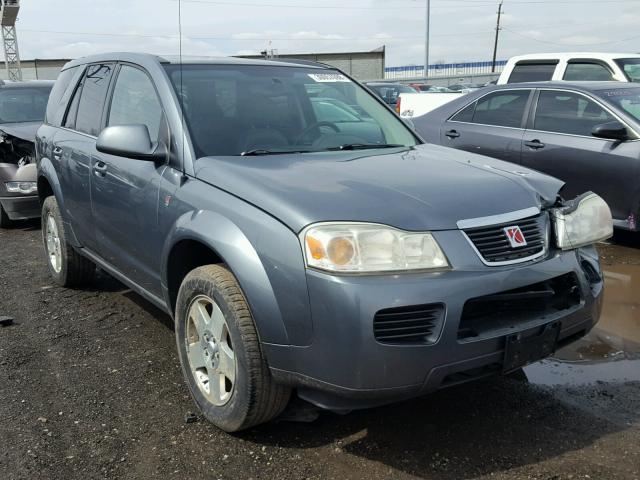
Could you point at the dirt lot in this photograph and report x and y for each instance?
(90, 387)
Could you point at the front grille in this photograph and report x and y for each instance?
(512, 309)
(419, 324)
(493, 245)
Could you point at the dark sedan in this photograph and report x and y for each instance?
(390, 92)
(586, 133)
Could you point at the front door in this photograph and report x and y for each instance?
(124, 191)
(560, 144)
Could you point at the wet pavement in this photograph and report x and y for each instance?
(611, 351)
(91, 388)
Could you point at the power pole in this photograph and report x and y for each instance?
(426, 40)
(495, 45)
(8, 15)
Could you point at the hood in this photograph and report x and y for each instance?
(23, 131)
(423, 188)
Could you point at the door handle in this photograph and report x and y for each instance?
(534, 144)
(100, 169)
(57, 153)
(452, 134)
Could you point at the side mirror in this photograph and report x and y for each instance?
(131, 141)
(611, 130)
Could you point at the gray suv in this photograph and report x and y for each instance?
(303, 237)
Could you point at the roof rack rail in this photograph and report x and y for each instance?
(298, 61)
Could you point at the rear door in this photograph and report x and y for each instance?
(74, 145)
(492, 125)
(559, 143)
(124, 191)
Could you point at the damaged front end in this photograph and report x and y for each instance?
(18, 175)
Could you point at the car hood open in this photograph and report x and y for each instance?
(423, 188)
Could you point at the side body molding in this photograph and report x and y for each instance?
(226, 239)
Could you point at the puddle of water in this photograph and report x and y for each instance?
(611, 351)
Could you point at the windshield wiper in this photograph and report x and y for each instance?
(262, 151)
(365, 146)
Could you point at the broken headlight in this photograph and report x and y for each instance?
(21, 187)
(582, 221)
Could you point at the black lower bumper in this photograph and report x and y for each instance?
(21, 208)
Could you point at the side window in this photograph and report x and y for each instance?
(135, 101)
(94, 90)
(532, 72)
(465, 115)
(566, 112)
(577, 71)
(57, 92)
(503, 109)
(70, 120)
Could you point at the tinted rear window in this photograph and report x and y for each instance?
(532, 72)
(58, 91)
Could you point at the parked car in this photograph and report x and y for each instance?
(345, 260)
(389, 92)
(420, 87)
(587, 134)
(22, 108)
(465, 87)
(572, 67)
(411, 105)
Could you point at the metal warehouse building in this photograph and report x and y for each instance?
(361, 65)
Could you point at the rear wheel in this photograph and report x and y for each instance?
(5, 222)
(67, 267)
(220, 353)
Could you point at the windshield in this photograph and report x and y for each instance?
(631, 68)
(22, 104)
(248, 109)
(627, 99)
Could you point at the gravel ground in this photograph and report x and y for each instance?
(90, 387)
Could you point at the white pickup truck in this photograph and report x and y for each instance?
(574, 67)
(415, 104)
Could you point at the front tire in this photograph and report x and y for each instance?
(67, 267)
(220, 352)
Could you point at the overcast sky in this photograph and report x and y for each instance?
(461, 30)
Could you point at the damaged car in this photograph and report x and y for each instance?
(22, 111)
(340, 259)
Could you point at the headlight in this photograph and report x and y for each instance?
(368, 248)
(584, 221)
(22, 187)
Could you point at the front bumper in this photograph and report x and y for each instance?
(21, 208)
(346, 367)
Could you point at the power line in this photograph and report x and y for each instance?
(549, 42)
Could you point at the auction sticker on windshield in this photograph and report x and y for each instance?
(328, 77)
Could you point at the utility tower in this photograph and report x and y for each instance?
(8, 15)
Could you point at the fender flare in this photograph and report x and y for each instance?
(228, 241)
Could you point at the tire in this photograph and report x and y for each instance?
(5, 221)
(242, 395)
(67, 267)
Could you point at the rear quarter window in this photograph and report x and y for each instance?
(53, 115)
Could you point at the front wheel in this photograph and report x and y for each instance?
(220, 353)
